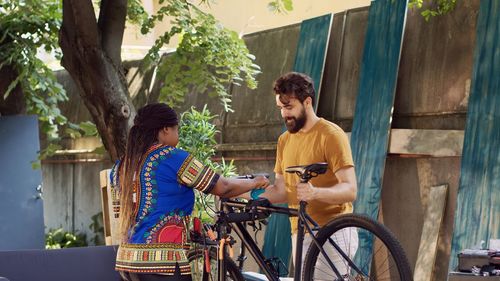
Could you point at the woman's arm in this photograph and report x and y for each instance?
(277, 192)
(229, 187)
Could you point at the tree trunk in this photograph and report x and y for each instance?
(91, 55)
(15, 103)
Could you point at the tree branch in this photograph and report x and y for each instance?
(79, 33)
(84, 26)
(112, 19)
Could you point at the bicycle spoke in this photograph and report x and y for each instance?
(351, 237)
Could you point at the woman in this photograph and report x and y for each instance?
(156, 182)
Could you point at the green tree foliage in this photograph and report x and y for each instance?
(208, 58)
(25, 28)
(280, 6)
(432, 8)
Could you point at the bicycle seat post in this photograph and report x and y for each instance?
(305, 173)
(300, 235)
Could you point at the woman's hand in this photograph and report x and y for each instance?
(231, 187)
(261, 182)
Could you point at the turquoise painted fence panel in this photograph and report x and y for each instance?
(477, 215)
(277, 240)
(311, 50)
(377, 87)
(373, 112)
(309, 59)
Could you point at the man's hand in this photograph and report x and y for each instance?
(342, 192)
(306, 192)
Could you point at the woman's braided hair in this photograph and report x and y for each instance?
(148, 122)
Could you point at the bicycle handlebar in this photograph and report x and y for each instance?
(258, 212)
(251, 176)
(273, 209)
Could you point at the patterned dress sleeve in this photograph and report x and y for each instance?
(193, 173)
(115, 188)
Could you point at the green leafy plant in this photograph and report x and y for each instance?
(97, 226)
(59, 238)
(197, 136)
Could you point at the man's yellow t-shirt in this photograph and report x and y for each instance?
(324, 142)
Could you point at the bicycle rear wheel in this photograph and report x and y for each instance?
(372, 250)
(197, 259)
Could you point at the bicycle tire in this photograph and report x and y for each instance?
(380, 264)
(233, 272)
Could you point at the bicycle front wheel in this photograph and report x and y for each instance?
(369, 252)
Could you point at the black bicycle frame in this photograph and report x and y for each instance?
(247, 239)
(254, 250)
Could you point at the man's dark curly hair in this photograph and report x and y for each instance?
(294, 85)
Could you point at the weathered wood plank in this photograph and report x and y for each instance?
(430, 143)
(478, 201)
(87, 206)
(347, 85)
(58, 196)
(436, 63)
(246, 146)
(433, 217)
(435, 143)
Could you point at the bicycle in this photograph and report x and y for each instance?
(377, 256)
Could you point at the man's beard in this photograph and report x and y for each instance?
(294, 124)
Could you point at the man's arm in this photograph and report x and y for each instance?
(274, 193)
(344, 191)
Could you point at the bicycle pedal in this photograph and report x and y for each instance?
(209, 232)
(241, 258)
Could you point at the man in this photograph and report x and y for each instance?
(310, 139)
